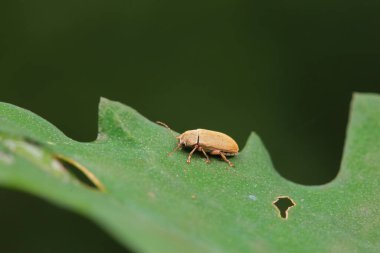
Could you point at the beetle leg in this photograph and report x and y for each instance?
(191, 153)
(207, 159)
(179, 146)
(226, 160)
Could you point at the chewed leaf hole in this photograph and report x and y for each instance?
(283, 204)
(81, 173)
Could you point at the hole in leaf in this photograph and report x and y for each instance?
(32, 141)
(283, 204)
(81, 173)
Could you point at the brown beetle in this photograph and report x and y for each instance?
(207, 141)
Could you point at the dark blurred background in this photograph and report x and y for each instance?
(284, 69)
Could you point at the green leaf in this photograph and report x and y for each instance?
(153, 202)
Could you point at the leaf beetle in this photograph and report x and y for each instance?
(206, 141)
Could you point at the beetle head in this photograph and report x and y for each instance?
(181, 140)
(188, 138)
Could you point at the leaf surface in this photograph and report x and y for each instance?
(153, 202)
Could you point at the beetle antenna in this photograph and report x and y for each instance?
(163, 124)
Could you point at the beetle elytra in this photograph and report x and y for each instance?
(206, 141)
